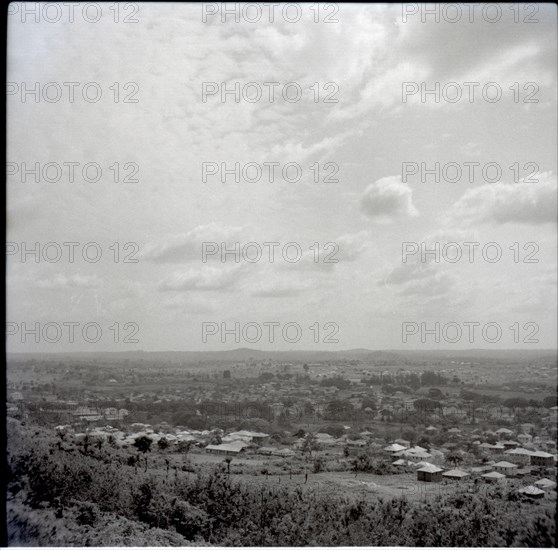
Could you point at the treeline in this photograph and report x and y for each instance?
(404, 380)
(512, 402)
(215, 509)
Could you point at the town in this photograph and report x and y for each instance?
(353, 424)
(418, 428)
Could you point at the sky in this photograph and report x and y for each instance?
(146, 131)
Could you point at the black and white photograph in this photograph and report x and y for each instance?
(281, 275)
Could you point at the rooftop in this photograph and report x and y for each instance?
(430, 468)
(455, 473)
(494, 475)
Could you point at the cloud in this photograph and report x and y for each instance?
(388, 198)
(409, 272)
(206, 278)
(501, 203)
(438, 284)
(187, 247)
(422, 268)
(418, 280)
(280, 289)
(189, 304)
(352, 246)
(471, 149)
(366, 133)
(61, 282)
(446, 235)
(327, 256)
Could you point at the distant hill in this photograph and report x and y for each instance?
(394, 357)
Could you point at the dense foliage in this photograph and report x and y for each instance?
(50, 486)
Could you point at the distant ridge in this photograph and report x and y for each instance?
(393, 357)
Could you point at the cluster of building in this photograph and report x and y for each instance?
(520, 464)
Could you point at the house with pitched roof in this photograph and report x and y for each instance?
(531, 491)
(493, 477)
(394, 448)
(455, 474)
(506, 468)
(429, 473)
(232, 448)
(540, 458)
(519, 455)
(545, 483)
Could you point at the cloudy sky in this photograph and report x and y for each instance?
(368, 213)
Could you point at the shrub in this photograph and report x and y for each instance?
(318, 465)
(87, 514)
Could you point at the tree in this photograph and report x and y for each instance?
(308, 409)
(425, 442)
(318, 465)
(215, 439)
(428, 405)
(338, 381)
(409, 435)
(132, 460)
(386, 413)
(334, 430)
(310, 444)
(143, 443)
(226, 373)
(516, 403)
(368, 403)
(454, 457)
(339, 410)
(184, 447)
(163, 443)
(549, 401)
(277, 437)
(228, 460)
(388, 389)
(435, 393)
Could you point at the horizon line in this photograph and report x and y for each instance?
(386, 350)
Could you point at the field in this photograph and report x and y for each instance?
(249, 470)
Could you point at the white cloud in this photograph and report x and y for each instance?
(280, 289)
(387, 199)
(501, 203)
(62, 282)
(202, 279)
(353, 245)
(410, 271)
(439, 284)
(187, 304)
(368, 134)
(186, 247)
